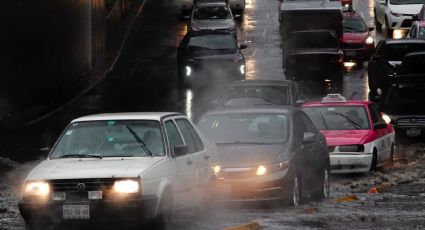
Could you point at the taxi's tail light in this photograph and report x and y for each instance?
(351, 148)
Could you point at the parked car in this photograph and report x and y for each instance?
(314, 56)
(267, 153)
(210, 56)
(387, 57)
(417, 30)
(404, 106)
(396, 15)
(358, 137)
(261, 92)
(358, 43)
(212, 15)
(120, 168)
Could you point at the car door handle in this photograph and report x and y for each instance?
(206, 157)
(189, 162)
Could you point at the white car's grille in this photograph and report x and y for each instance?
(82, 185)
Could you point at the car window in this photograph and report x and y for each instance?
(245, 128)
(307, 40)
(197, 140)
(173, 134)
(354, 25)
(396, 52)
(114, 138)
(375, 114)
(338, 117)
(309, 126)
(213, 42)
(212, 12)
(299, 130)
(188, 138)
(278, 95)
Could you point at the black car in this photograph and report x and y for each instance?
(260, 92)
(413, 63)
(404, 104)
(210, 57)
(385, 61)
(267, 153)
(314, 56)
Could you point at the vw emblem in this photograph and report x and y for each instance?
(81, 187)
(413, 120)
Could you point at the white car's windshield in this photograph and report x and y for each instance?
(245, 128)
(406, 2)
(212, 12)
(338, 117)
(110, 139)
(213, 42)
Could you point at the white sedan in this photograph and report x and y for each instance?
(119, 168)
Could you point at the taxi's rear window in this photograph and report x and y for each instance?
(338, 117)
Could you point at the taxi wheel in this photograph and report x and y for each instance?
(373, 165)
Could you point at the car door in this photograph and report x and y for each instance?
(184, 183)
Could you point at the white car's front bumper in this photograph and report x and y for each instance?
(403, 22)
(350, 163)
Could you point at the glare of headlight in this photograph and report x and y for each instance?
(188, 71)
(126, 186)
(242, 69)
(38, 188)
(369, 40)
(398, 34)
(217, 169)
(349, 64)
(261, 170)
(386, 118)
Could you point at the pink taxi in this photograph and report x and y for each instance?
(358, 137)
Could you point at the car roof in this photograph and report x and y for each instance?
(348, 103)
(404, 41)
(264, 109)
(261, 83)
(127, 116)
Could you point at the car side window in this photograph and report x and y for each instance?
(197, 140)
(188, 138)
(173, 134)
(375, 114)
(299, 129)
(308, 124)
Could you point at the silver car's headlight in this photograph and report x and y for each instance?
(126, 186)
(271, 168)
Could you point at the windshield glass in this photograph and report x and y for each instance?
(278, 95)
(245, 128)
(110, 139)
(407, 92)
(212, 12)
(396, 52)
(405, 2)
(307, 40)
(213, 42)
(354, 24)
(338, 117)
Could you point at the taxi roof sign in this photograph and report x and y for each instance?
(334, 98)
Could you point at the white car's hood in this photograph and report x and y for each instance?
(91, 168)
(406, 9)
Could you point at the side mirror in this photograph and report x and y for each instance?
(371, 28)
(243, 46)
(380, 125)
(180, 150)
(309, 138)
(237, 16)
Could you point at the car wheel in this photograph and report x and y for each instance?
(378, 25)
(373, 165)
(323, 193)
(295, 191)
(164, 216)
(391, 160)
(389, 31)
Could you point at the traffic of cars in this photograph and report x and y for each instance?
(262, 141)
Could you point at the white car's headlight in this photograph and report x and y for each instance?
(39, 189)
(242, 69)
(126, 186)
(188, 71)
(369, 40)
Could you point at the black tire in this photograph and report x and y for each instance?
(164, 216)
(378, 25)
(323, 193)
(373, 165)
(391, 160)
(295, 191)
(388, 31)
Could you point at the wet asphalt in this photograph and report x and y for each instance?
(144, 79)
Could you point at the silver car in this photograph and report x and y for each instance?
(212, 15)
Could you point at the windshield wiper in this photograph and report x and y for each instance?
(74, 155)
(139, 141)
(355, 124)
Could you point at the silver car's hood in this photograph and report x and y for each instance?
(76, 168)
(213, 24)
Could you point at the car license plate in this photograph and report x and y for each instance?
(350, 53)
(226, 188)
(76, 212)
(413, 132)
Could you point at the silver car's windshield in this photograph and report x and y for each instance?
(246, 128)
(338, 117)
(212, 42)
(110, 139)
(212, 12)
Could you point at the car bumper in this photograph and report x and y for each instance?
(101, 212)
(266, 187)
(225, 75)
(362, 54)
(350, 163)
